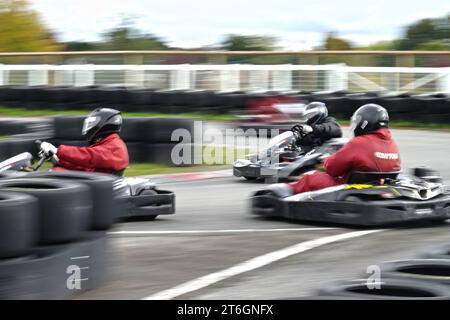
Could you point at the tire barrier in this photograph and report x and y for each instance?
(53, 226)
(45, 273)
(390, 289)
(65, 207)
(101, 189)
(342, 104)
(425, 278)
(433, 270)
(19, 224)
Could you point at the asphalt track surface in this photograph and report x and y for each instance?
(212, 248)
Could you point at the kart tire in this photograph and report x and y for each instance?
(161, 153)
(391, 289)
(5, 152)
(148, 192)
(136, 153)
(250, 178)
(432, 270)
(65, 208)
(427, 174)
(19, 223)
(104, 208)
(130, 131)
(78, 143)
(68, 127)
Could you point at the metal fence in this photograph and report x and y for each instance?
(232, 77)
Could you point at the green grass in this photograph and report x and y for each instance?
(22, 112)
(142, 169)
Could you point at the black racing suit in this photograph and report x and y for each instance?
(327, 129)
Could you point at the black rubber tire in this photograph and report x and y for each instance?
(394, 289)
(19, 223)
(43, 274)
(68, 127)
(78, 143)
(101, 186)
(433, 270)
(65, 207)
(5, 151)
(136, 152)
(159, 130)
(250, 178)
(26, 143)
(427, 174)
(131, 129)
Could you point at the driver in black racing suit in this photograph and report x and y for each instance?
(317, 126)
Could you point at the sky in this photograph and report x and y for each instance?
(297, 24)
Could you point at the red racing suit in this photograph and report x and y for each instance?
(106, 156)
(375, 152)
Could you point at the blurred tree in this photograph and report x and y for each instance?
(79, 46)
(332, 42)
(235, 42)
(425, 31)
(127, 37)
(22, 30)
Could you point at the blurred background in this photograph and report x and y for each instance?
(229, 64)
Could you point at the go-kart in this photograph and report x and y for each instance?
(136, 196)
(368, 199)
(283, 159)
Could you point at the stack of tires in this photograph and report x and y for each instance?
(68, 130)
(159, 140)
(52, 234)
(425, 278)
(21, 136)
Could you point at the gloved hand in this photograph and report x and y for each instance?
(301, 130)
(48, 149)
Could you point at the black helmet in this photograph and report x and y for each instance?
(314, 112)
(368, 118)
(100, 123)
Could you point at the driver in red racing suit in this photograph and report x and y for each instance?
(371, 150)
(106, 153)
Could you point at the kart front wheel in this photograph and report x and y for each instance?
(149, 192)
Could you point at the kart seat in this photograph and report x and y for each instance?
(359, 177)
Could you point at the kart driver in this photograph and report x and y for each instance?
(371, 150)
(317, 128)
(106, 153)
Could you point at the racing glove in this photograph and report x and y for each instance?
(48, 149)
(301, 130)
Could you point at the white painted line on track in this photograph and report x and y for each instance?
(253, 264)
(133, 233)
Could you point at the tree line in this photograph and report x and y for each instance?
(22, 30)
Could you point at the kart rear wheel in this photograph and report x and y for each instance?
(148, 192)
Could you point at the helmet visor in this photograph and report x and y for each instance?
(89, 123)
(354, 123)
